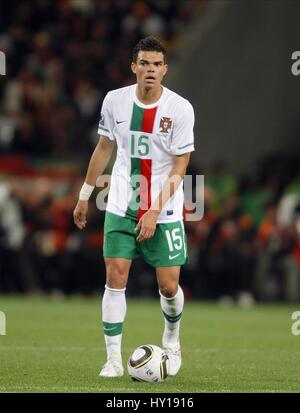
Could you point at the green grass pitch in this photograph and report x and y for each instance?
(57, 346)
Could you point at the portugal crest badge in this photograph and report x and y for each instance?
(165, 125)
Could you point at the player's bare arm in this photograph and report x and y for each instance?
(98, 162)
(147, 223)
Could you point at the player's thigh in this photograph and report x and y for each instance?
(167, 247)
(117, 271)
(168, 280)
(119, 237)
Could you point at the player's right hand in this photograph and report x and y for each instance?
(80, 213)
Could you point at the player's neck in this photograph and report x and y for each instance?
(148, 96)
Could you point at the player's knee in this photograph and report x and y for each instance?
(169, 290)
(116, 275)
(115, 280)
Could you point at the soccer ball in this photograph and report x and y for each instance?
(148, 363)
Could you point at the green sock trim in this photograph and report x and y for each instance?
(112, 329)
(171, 318)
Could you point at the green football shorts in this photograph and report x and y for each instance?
(166, 248)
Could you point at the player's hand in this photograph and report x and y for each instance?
(80, 213)
(147, 225)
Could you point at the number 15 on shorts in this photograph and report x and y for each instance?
(176, 242)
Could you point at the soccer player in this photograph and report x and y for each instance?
(153, 130)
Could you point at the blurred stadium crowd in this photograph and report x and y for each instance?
(247, 246)
(62, 58)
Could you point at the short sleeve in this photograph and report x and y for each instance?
(182, 140)
(106, 122)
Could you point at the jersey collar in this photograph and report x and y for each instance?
(153, 105)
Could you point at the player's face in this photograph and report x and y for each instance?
(149, 69)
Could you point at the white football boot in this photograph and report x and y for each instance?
(112, 368)
(174, 354)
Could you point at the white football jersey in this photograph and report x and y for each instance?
(147, 137)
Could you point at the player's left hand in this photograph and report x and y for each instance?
(147, 225)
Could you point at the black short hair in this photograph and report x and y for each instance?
(150, 44)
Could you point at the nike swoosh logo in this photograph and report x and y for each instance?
(120, 121)
(108, 329)
(174, 256)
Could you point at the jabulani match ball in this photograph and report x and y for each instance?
(148, 363)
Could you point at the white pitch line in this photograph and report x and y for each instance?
(26, 389)
(12, 389)
(126, 349)
(43, 348)
(74, 348)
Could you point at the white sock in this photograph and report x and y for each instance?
(113, 315)
(172, 309)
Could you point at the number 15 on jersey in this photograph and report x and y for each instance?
(139, 145)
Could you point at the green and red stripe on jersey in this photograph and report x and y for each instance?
(142, 120)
